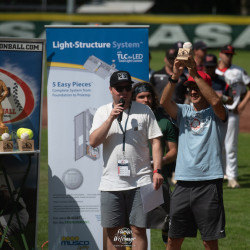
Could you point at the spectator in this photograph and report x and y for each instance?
(144, 93)
(159, 78)
(199, 168)
(237, 79)
(200, 50)
(127, 164)
(221, 88)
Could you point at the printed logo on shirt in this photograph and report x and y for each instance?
(197, 124)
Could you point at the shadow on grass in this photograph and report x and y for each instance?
(244, 177)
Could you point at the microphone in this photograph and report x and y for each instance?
(119, 118)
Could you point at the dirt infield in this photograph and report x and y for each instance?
(244, 117)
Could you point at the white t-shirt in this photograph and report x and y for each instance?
(237, 79)
(141, 126)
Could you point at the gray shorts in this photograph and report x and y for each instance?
(197, 205)
(122, 208)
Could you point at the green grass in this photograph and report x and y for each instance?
(237, 205)
(237, 202)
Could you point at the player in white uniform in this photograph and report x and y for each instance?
(238, 80)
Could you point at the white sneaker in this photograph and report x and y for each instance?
(233, 184)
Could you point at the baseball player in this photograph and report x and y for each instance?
(238, 80)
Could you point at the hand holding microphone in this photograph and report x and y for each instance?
(122, 101)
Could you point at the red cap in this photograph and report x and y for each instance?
(203, 75)
(228, 49)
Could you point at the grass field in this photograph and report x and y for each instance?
(237, 202)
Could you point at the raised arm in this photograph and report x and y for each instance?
(209, 94)
(166, 99)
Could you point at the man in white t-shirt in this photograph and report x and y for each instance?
(124, 128)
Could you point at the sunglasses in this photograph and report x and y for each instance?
(121, 88)
(193, 88)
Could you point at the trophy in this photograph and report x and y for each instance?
(3, 93)
(25, 141)
(184, 52)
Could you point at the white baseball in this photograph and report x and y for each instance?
(24, 136)
(5, 136)
(187, 45)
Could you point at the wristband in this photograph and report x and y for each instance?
(172, 80)
(157, 171)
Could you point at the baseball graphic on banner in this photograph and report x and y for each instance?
(20, 101)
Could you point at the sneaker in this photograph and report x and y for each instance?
(233, 184)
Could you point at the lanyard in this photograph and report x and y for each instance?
(124, 131)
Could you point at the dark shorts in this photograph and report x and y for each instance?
(197, 205)
(122, 208)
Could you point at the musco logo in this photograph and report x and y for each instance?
(74, 241)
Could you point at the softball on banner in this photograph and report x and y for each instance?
(24, 133)
(5, 137)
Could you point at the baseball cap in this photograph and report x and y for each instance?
(171, 54)
(210, 60)
(203, 75)
(199, 45)
(120, 76)
(228, 49)
(178, 45)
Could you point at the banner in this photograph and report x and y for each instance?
(215, 30)
(21, 72)
(81, 60)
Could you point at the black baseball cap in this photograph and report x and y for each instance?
(228, 49)
(120, 76)
(200, 45)
(171, 54)
(178, 45)
(210, 60)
